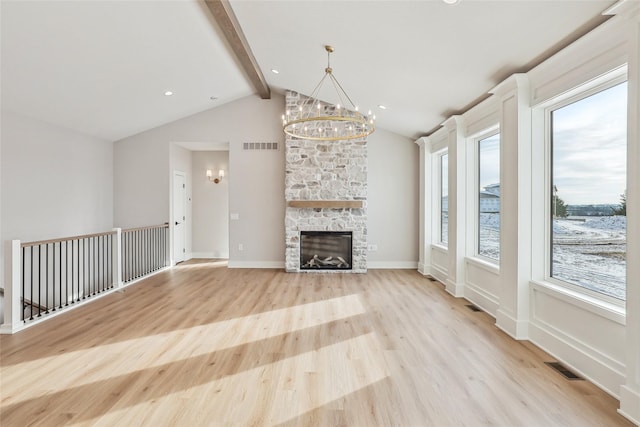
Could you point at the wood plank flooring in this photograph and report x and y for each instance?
(203, 345)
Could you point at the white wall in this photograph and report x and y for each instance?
(392, 200)
(55, 182)
(142, 180)
(210, 205)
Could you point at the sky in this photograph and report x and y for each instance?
(589, 148)
(489, 154)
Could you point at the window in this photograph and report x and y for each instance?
(489, 197)
(588, 185)
(444, 199)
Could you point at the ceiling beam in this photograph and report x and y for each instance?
(228, 23)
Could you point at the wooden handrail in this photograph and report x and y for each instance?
(148, 227)
(65, 239)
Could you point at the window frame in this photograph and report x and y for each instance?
(611, 79)
(473, 186)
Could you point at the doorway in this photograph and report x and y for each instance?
(179, 216)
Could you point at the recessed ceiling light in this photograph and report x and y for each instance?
(382, 107)
(168, 93)
(452, 2)
(274, 71)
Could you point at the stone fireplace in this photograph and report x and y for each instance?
(326, 191)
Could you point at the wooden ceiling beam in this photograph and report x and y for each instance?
(228, 23)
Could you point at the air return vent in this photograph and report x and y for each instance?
(564, 371)
(260, 146)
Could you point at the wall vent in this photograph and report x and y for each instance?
(564, 371)
(260, 146)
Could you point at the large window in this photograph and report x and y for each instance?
(489, 197)
(588, 191)
(444, 199)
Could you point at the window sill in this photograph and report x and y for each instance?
(485, 265)
(596, 306)
(440, 248)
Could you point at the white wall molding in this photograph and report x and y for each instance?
(508, 323)
(424, 205)
(423, 269)
(630, 392)
(486, 301)
(454, 288)
(515, 207)
(482, 116)
(630, 404)
(455, 127)
(603, 371)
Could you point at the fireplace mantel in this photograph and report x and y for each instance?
(329, 204)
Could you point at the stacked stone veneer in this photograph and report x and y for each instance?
(325, 170)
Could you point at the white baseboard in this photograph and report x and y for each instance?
(393, 265)
(256, 264)
(630, 404)
(455, 289)
(210, 255)
(516, 329)
(598, 368)
(486, 301)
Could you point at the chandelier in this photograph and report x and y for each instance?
(321, 121)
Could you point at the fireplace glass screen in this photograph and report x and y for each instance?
(325, 250)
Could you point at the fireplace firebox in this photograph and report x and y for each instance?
(325, 250)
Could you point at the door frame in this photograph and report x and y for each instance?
(183, 176)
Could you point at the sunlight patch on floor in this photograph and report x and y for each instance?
(285, 389)
(124, 357)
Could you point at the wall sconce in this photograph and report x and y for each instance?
(215, 180)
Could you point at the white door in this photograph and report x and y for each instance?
(179, 216)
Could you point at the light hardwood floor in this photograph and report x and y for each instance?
(202, 345)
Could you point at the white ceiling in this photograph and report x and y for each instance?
(101, 67)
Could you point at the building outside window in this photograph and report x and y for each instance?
(444, 199)
(588, 191)
(489, 197)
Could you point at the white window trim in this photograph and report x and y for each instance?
(437, 199)
(473, 196)
(588, 297)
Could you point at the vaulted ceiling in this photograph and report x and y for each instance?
(102, 67)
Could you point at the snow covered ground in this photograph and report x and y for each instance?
(591, 252)
(587, 251)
